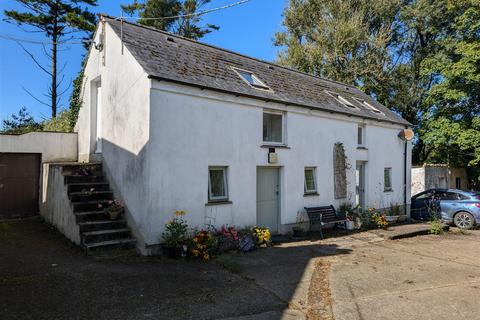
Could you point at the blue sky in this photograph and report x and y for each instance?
(248, 29)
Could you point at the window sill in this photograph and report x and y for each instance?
(311, 194)
(362, 148)
(217, 203)
(280, 146)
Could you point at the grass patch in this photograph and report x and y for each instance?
(436, 227)
(229, 263)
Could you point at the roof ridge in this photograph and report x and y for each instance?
(230, 51)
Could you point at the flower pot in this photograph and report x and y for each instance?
(391, 219)
(114, 214)
(350, 225)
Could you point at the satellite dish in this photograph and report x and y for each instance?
(406, 134)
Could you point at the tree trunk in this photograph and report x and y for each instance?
(54, 72)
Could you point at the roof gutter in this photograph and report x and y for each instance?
(158, 78)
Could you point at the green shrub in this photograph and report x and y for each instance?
(436, 227)
(62, 123)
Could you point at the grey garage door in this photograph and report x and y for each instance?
(19, 184)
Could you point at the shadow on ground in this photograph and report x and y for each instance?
(44, 276)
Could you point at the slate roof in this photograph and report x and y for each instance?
(165, 56)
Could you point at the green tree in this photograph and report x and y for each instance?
(420, 58)
(185, 24)
(20, 123)
(58, 20)
(342, 40)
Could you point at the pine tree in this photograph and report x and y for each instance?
(186, 26)
(58, 20)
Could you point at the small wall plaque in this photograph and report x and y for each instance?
(272, 157)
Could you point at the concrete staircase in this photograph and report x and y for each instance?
(89, 193)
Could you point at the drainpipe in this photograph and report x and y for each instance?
(406, 135)
(405, 177)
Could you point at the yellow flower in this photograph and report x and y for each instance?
(180, 212)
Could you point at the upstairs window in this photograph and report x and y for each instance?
(217, 184)
(369, 106)
(273, 128)
(342, 100)
(387, 179)
(251, 79)
(361, 136)
(310, 180)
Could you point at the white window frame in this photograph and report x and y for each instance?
(211, 197)
(368, 105)
(362, 136)
(342, 100)
(261, 85)
(305, 188)
(385, 187)
(274, 143)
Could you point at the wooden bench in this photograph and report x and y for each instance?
(324, 215)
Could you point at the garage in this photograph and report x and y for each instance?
(19, 184)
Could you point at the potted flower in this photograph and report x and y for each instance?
(228, 239)
(395, 211)
(175, 236)
(261, 236)
(203, 245)
(246, 241)
(114, 209)
(351, 215)
(380, 220)
(350, 223)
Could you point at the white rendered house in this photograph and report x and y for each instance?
(181, 125)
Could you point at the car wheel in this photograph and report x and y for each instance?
(464, 220)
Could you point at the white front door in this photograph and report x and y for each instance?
(98, 131)
(360, 185)
(268, 195)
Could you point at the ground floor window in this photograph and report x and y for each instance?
(387, 179)
(217, 184)
(310, 181)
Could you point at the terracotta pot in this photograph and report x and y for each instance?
(114, 215)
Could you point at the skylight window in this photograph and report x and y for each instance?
(369, 106)
(251, 79)
(342, 100)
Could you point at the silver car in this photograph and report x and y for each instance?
(462, 208)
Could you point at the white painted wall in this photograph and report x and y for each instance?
(55, 206)
(418, 180)
(194, 129)
(54, 146)
(430, 176)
